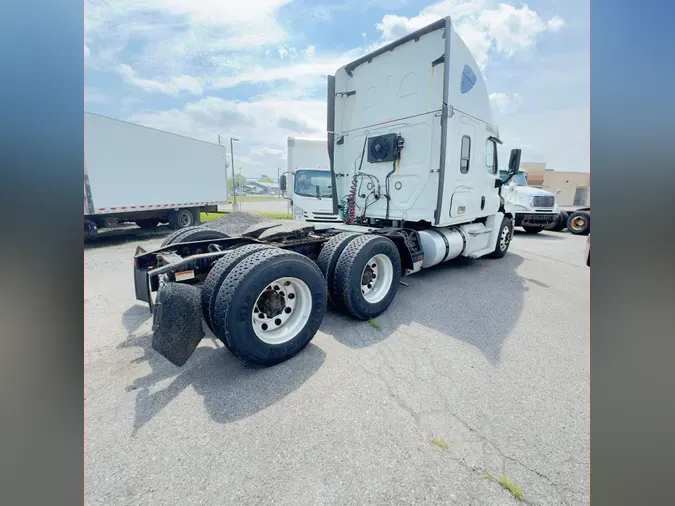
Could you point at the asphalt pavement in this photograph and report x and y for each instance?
(479, 371)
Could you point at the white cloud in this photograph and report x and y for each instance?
(170, 86)
(555, 24)
(558, 137)
(504, 29)
(506, 103)
(262, 125)
(86, 51)
(310, 50)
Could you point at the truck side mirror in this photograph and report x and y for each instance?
(514, 161)
(282, 183)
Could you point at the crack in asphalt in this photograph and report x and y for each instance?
(417, 415)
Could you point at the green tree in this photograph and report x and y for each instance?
(241, 181)
(266, 179)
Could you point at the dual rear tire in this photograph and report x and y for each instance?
(362, 273)
(264, 303)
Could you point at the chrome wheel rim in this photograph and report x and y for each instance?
(281, 310)
(376, 278)
(578, 223)
(504, 238)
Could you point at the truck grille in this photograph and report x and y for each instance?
(543, 201)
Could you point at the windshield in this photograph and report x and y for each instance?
(520, 178)
(307, 182)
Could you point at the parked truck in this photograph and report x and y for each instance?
(308, 181)
(145, 176)
(413, 159)
(535, 208)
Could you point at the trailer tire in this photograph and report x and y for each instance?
(147, 222)
(503, 239)
(532, 230)
(217, 275)
(182, 218)
(353, 285)
(579, 223)
(293, 289)
(328, 259)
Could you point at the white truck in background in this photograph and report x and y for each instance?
(536, 209)
(145, 176)
(308, 180)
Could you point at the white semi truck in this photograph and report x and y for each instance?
(145, 176)
(308, 180)
(413, 160)
(535, 209)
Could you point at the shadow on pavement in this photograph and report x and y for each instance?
(545, 235)
(231, 389)
(475, 301)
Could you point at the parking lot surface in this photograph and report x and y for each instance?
(479, 371)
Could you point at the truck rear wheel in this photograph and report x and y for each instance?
(183, 218)
(579, 223)
(217, 275)
(366, 276)
(503, 239)
(270, 306)
(328, 259)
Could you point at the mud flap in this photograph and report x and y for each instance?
(177, 322)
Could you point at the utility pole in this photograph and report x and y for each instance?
(221, 145)
(234, 185)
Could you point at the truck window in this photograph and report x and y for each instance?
(465, 154)
(491, 157)
(306, 183)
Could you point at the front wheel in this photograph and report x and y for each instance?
(503, 239)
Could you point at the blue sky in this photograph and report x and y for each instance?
(255, 69)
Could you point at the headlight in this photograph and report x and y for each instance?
(297, 213)
(519, 207)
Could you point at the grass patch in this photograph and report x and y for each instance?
(508, 485)
(374, 324)
(275, 216)
(441, 443)
(271, 216)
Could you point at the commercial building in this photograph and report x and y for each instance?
(570, 188)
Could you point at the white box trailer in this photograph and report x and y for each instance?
(138, 174)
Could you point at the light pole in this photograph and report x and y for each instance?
(234, 184)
